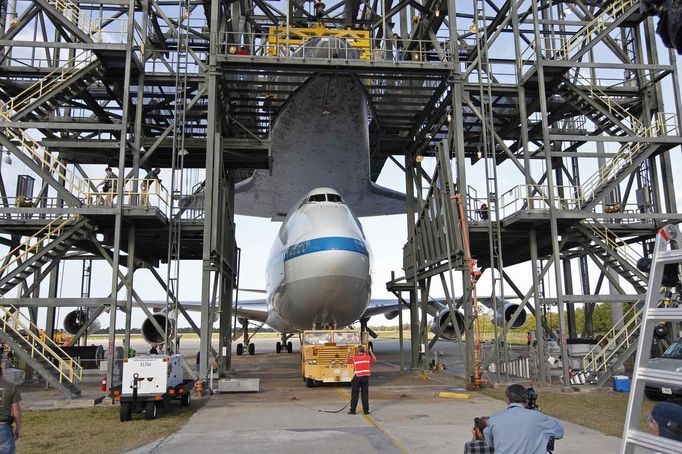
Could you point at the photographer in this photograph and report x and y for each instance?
(518, 429)
(10, 412)
(477, 445)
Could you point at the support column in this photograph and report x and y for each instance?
(539, 330)
(570, 307)
(119, 205)
(213, 163)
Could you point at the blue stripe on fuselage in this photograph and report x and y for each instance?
(330, 243)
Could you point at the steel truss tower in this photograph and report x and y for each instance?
(575, 98)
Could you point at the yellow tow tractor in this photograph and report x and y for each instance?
(325, 353)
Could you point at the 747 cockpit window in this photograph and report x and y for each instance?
(334, 198)
(317, 198)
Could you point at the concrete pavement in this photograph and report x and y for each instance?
(287, 417)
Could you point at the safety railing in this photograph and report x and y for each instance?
(73, 13)
(567, 46)
(618, 340)
(38, 153)
(624, 250)
(33, 243)
(136, 192)
(67, 368)
(612, 12)
(664, 124)
(613, 107)
(528, 197)
(68, 71)
(350, 46)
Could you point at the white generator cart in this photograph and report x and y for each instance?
(149, 383)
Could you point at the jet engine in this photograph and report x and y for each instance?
(508, 311)
(443, 319)
(75, 320)
(149, 331)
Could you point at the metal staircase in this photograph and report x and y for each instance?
(602, 111)
(577, 44)
(603, 359)
(44, 356)
(573, 46)
(628, 158)
(49, 243)
(55, 89)
(614, 252)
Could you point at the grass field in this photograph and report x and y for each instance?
(602, 411)
(96, 430)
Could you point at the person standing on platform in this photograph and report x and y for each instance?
(10, 413)
(147, 182)
(360, 382)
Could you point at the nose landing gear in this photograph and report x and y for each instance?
(285, 344)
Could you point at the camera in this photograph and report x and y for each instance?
(532, 404)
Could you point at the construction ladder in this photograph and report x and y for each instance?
(666, 251)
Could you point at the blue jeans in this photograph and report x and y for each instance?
(6, 439)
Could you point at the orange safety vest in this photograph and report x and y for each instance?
(362, 363)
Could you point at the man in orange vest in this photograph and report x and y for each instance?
(360, 382)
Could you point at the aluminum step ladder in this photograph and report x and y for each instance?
(667, 250)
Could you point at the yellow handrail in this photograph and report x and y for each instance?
(54, 228)
(39, 153)
(68, 369)
(613, 107)
(596, 25)
(598, 357)
(614, 242)
(664, 124)
(74, 14)
(67, 71)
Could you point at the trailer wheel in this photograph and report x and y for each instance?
(310, 383)
(290, 347)
(252, 349)
(240, 349)
(150, 410)
(278, 347)
(126, 411)
(185, 399)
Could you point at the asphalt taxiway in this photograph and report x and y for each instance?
(406, 415)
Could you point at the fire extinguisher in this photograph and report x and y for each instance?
(104, 383)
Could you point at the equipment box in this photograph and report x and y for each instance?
(621, 384)
(154, 374)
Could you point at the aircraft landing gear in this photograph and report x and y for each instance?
(284, 344)
(247, 346)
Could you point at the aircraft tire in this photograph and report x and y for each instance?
(370, 345)
(240, 349)
(252, 349)
(278, 347)
(150, 410)
(310, 383)
(185, 400)
(290, 347)
(126, 411)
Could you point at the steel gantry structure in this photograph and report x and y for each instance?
(567, 98)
